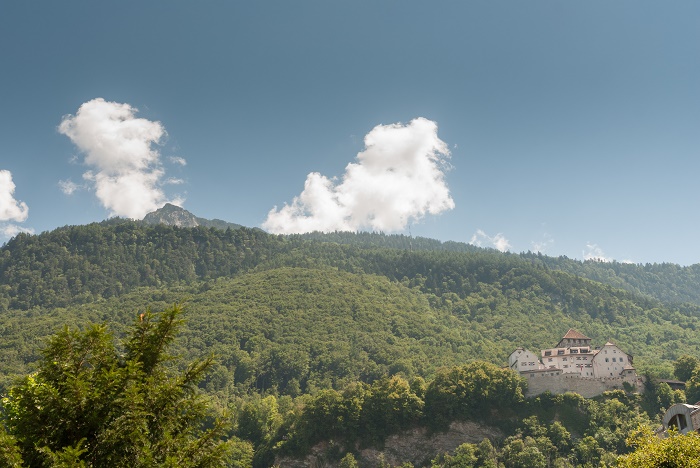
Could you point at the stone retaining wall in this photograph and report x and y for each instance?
(587, 387)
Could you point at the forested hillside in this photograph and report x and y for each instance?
(667, 282)
(418, 309)
(293, 318)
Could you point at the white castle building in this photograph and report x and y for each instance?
(574, 366)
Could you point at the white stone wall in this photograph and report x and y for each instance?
(586, 387)
(523, 360)
(570, 363)
(610, 361)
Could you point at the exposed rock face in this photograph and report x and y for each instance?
(417, 446)
(172, 215)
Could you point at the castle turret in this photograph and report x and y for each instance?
(573, 338)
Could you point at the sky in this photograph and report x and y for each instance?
(568, 128)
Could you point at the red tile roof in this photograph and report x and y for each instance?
(574, 335)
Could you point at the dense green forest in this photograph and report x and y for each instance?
(666, 282)
(300, 325)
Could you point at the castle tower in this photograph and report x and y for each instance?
(574, 338)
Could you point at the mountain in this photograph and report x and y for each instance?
(172, 215)
(481, 303)
(310, 330)
(667, 282)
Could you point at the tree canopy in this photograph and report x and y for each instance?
(95, 404)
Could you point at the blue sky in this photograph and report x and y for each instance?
(572, 128)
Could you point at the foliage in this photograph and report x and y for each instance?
(684, 366)
(461, 302)
(465, 456)
(692, 386)
(338, 335)
(676, 450)
(472, 390)
(89, 404)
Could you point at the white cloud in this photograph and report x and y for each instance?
(399, 177)
(542, 245)
(126, 170)
(498, 241)
(174, 181)
(10, 209)
(67, 186)
(593, 252)
(11, 230)
(178, 160)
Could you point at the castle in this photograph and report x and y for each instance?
(574, 366)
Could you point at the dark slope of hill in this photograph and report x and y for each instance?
(300, 328)
(487, 302)
(100, 260)
(667, 282)
(83, 263)
(376, 240)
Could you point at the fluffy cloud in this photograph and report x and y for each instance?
(498, 241)
(68, 187)
(11, 230)
(399, 177)
(178, 160)
(126, 170)
(10, 209)
(593, 252)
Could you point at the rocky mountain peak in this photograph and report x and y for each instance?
(172, 215)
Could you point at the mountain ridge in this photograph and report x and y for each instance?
(173, 215)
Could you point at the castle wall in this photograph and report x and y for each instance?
(586, 387)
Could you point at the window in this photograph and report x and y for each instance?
(607, 359)
(622, 359)
(550, 360)
(547, 353)
(560, 351)
(678, 421)
(574, 351)
(614, 360)
(566, 366)
(564, 359)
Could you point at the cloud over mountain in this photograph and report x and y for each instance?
(399, 177)
(498, 241)
(594, 252)
(126, 170)
(10, 209)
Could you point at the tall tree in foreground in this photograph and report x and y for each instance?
(91, 405)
